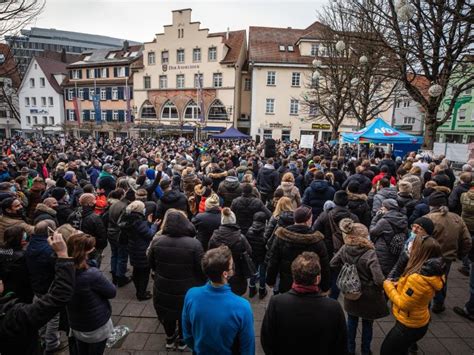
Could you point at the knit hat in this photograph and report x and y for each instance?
(135, 206)
(426, 224)
(351, 229)
(58, 193)
(328, 205)
(227, 216)
(340, 198)
(437, 199)
(141, 194)
(390, 204)
(212, 201)
(87, 200)
(69, 175)
(405, 186)
(302, 214)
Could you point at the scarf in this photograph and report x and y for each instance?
(304, 289)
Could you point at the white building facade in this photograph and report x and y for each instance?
(41, 97)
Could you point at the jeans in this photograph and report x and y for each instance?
(170, 327)
(119, 258)
(49, 333)
(470, 303)
(400, 338)
(441, 294)
(140, 280)
(90, 348)
(262, 276)
(367, 327)
(334, 294)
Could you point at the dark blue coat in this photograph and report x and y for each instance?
(93, 175)
(139, 233)
(40, 261)
(420, 210)
(318, 192)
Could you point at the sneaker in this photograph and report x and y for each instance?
(262, 292)
(464, 271)
(171, 342)
(252, 291)
(181, 345)
(463, 313)
(122, 281)
(145, 297)
(438, 308)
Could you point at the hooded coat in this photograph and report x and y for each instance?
(359, 206)
(383, 194)
(171, 199)
(291, 191)
(454, 201)
(206, 223)
(14, 274)
(245, 207)
(289, 243)
(416, 183)
(256, 239)
(316, 196)
(229, 189)
(365, 184)
(43, 212)
(407, 203)
(267, 179)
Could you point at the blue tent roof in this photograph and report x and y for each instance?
(380, 132)
(231, 133)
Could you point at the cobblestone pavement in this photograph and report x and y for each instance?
(448, 333)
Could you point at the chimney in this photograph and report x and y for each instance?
(125, 46)
(63, 55)
(227, 33)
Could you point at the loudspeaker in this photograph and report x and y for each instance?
(270, 148)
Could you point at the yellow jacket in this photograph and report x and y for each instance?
(411, 297)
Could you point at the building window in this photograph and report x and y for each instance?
(247, 84)
(151, 58)
(33, 101)
(50, 101)
(462, 114)
(148, 110)
(180, 56)
(72, 115)
(121, 72)
(409, 120)
(164, 57)
(111, 55)
(212, 54)
(271, 78)
(406, 103)
(35, 119)
(27, 101)
(43, 101)
(398, 103)
(285, 135)
(313, 110)
(103, 94)
(281, 48)
(169, 111)
(115, 115)
(192, 111)
(180, 81)
(180, 32)
(217, 111)
(267, 134)
(92, 73)
(103, 72)
(114, 93)
(198, 80)
(314, 49)
(270, 106)
(294, 106)
(295, 79)
(217, 80)
(163, 81)
(32, 83)
(76, 74)
(70, 94)
(103, 115)
(146, 82)
(81, 94)
(28, 120)
(196, 55)
(42, 82)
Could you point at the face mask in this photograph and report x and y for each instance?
(25, 237)
(412, 235)
(13, 189)
(144, 211)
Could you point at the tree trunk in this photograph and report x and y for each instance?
(334, 133)
(429, 134)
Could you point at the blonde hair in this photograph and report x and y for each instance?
(283, 204)
(288, 177)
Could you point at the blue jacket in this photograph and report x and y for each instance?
(5, 176)
(93, 175)
(316, 196)
(40, 261)
(212, 319)
(89, 308)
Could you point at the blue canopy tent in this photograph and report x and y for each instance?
(231, 133)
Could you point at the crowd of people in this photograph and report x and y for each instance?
(214, 223)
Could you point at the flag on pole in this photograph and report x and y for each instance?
(75, 102)
(96, 103)
(127, 97)
(200, 99)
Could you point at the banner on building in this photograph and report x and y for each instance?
(96, 102)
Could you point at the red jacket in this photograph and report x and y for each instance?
(380, 176)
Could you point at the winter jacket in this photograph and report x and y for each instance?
(365, 184)
(382, 229)
(451, 232)
(175, 257)
(188, 182)
(171, 199)
(256, 239)
(229, 189)
(416, 182)
(245, 207)
(359, 206)
(421, 209)
(206, 223)
(285, 219)
(413, 293)
(90, 308)
(391, 166)
(34, 197)
(289, 243)
(9, 221)
(407, 203)
(467, 215)
(43, 213)
(383, 194)
(14, 274)
(316, 196)
(454, 201)
(304, 323)
(112, 215)
(217, 177)
(339, 176)
(20, 322)
(106, 182)
(231, 235)
(63, 211)
(93, 173)
(442, 180)
(40, 262)
(291, 191)
(267, 179)
(139, 233)
(380, 176)
(360, 251)
(88, 222)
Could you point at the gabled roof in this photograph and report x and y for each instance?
(234, 42)
(51, 67)
(314, 31)
(8, 67)
(101, 56)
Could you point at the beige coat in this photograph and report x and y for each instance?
(6, 222)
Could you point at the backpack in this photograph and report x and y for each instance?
(397, 243)
(348, 280)
(336, 232)
(76, 219)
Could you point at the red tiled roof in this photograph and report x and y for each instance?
(58, 56)
(421, 83)
(234, 42)
(9, 68)
(51, 67)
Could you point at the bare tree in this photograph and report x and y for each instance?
(430, 38)
(16, 14)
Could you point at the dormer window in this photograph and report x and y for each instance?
(111, 55)
(126, 54)
(87, 57)
(291, 49)
(282, 48)
(133, 54)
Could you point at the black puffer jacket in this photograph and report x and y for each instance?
(255, 237)
(359, 206)
(382, 229)
(365, 184)
(139, 234)
(14, 274)
(267, 179)
(206, 223)
(63, 210)
(171, 199)
(229, 189)
(245, 207)
(285, 219)
(316, 195)
(407, 203)
(289, 243)
(88, 222)
(231, 235)
(175, 257)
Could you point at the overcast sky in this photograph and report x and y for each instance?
(139, 20)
